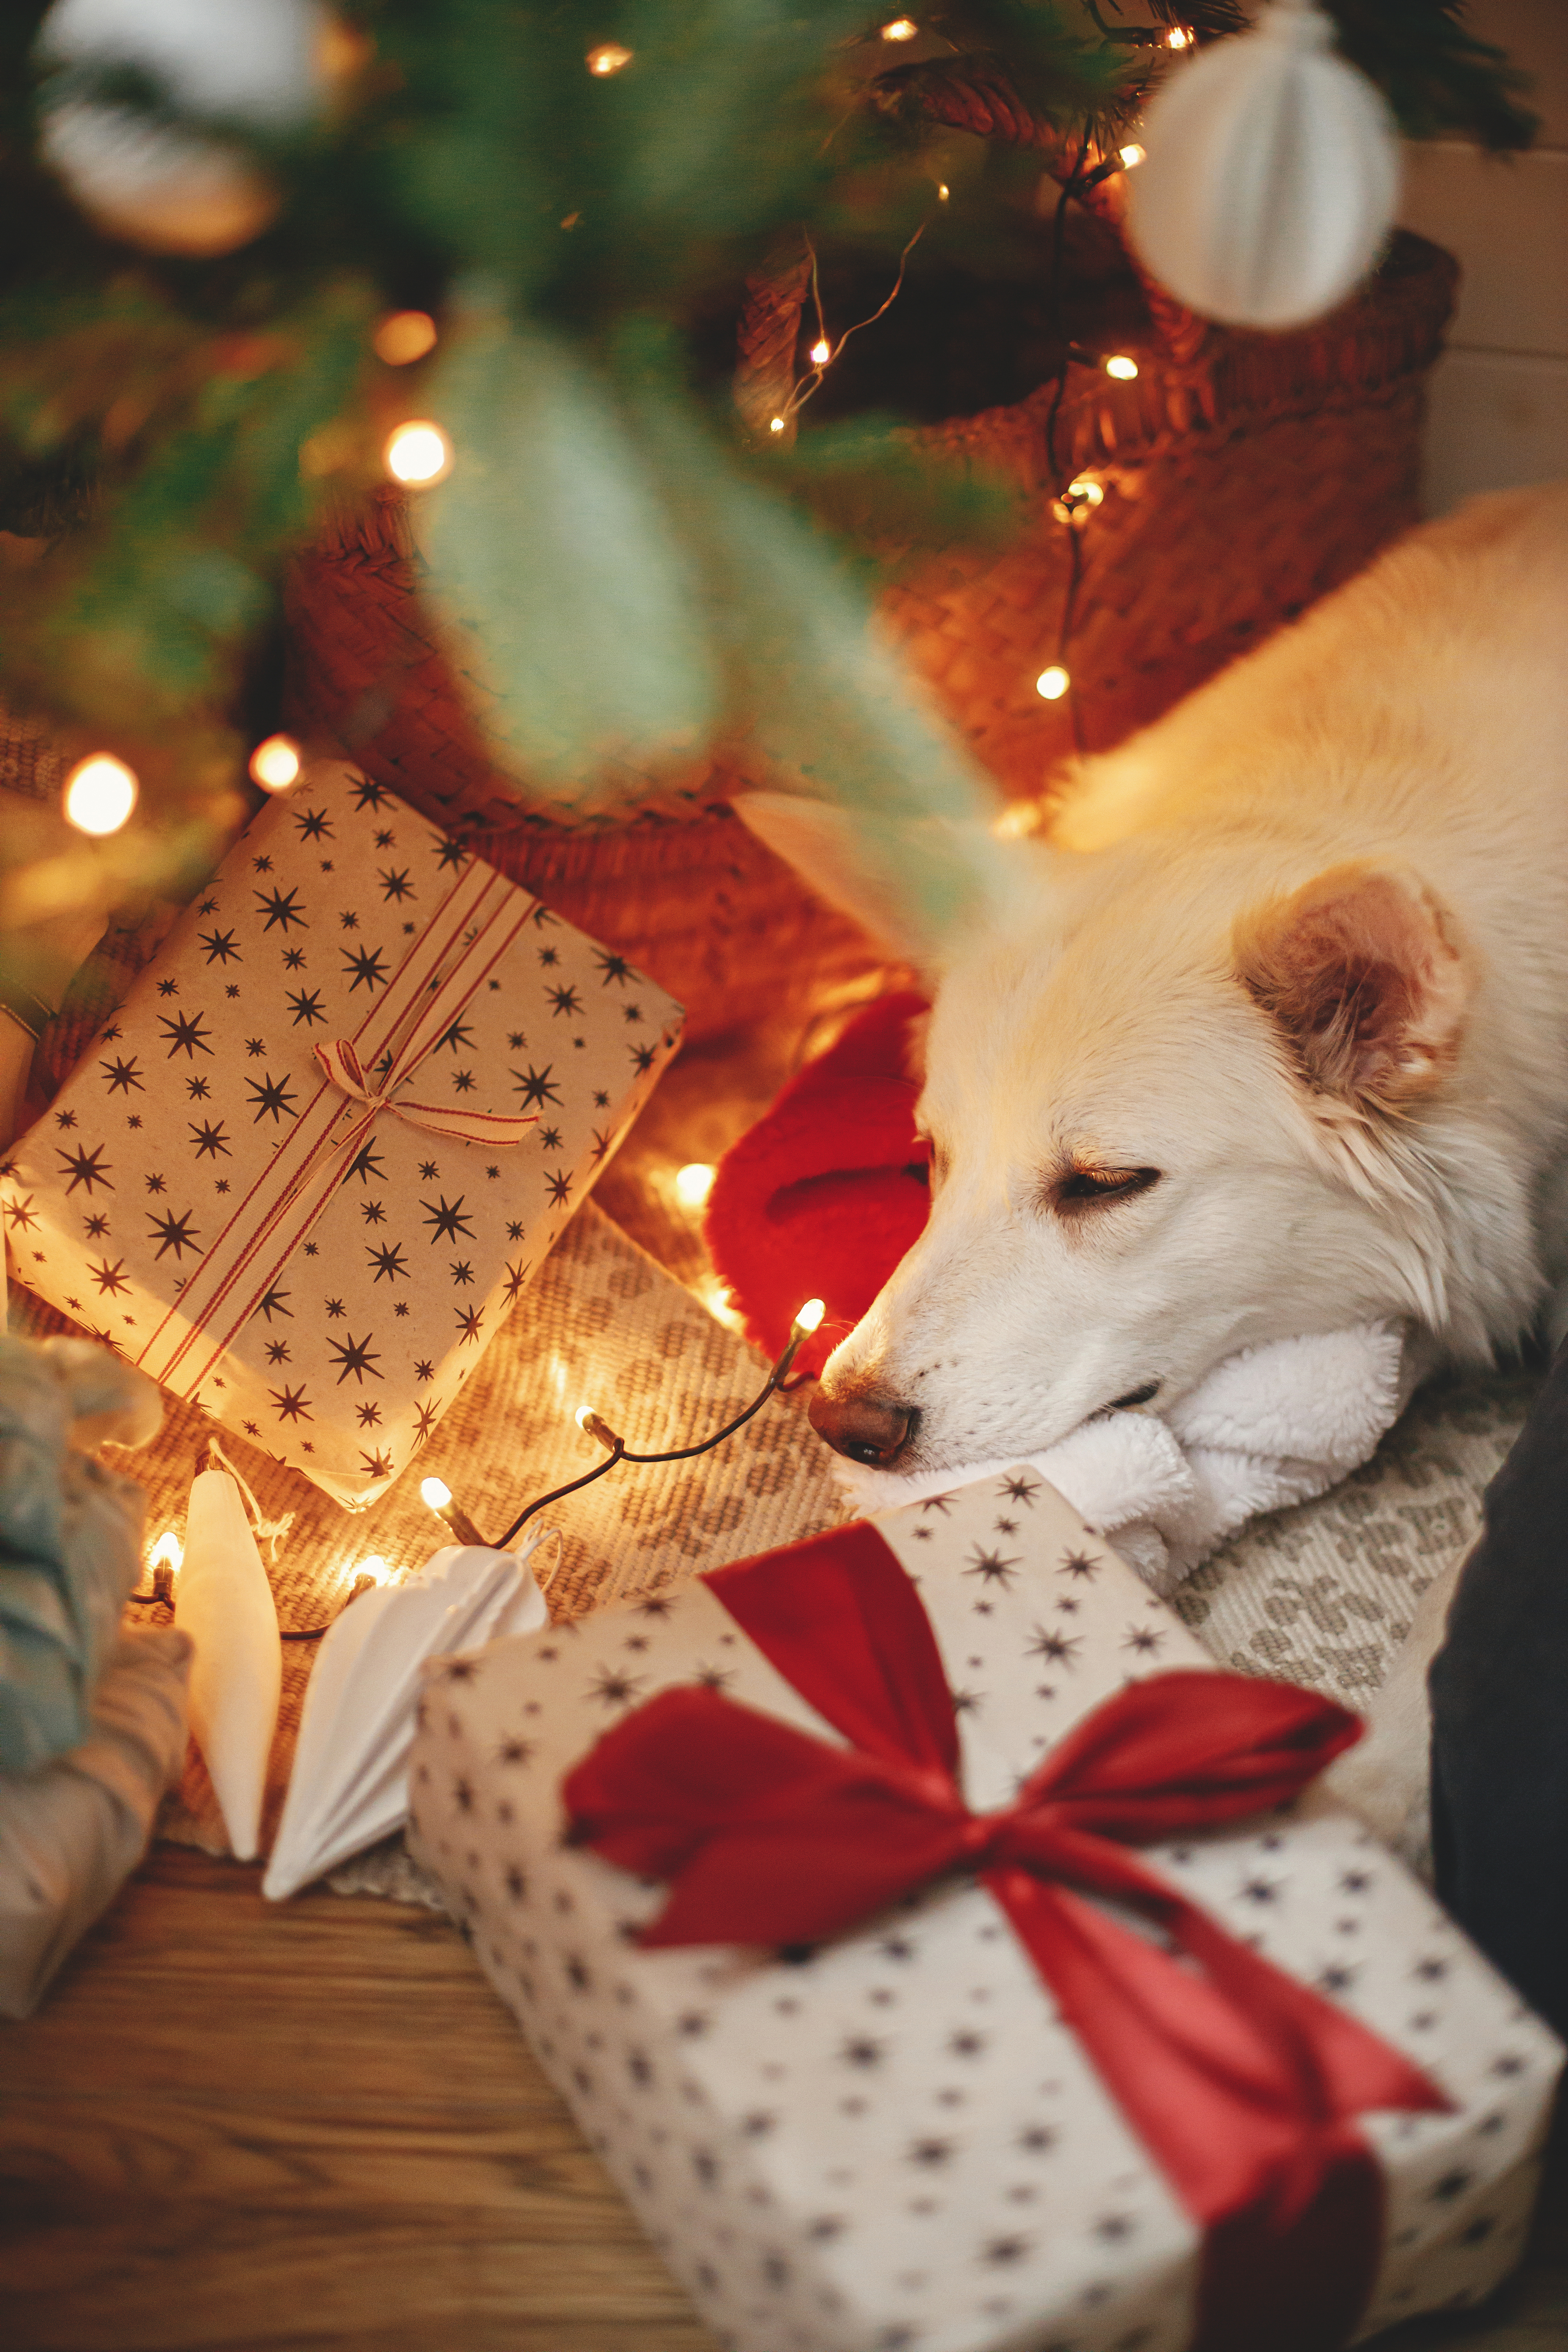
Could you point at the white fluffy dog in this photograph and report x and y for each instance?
(1279, 1041)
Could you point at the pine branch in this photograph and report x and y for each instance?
(1436, 76)
(1210, 20)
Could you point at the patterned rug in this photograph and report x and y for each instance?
(1323, 1594)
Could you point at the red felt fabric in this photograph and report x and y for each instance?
(824, 1196)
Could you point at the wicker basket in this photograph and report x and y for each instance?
(1239, 487)
(1243, 476)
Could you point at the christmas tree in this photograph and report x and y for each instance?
(243, 247)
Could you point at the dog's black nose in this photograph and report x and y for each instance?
(865, 1429)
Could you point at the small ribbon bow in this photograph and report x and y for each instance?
(342, 1064)
(1242, 2083)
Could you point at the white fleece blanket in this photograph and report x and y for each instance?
(1273, 1425)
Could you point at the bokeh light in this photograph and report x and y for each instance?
(418, 454)
(100, 794)
(275, 764)
(404, 336)
(693, 1183)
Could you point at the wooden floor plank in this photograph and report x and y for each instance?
(234, 2126)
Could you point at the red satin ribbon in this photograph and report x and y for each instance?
(1243, 2085)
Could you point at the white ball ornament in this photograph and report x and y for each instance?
(160, 189)
(162, 185)
(1270, 175)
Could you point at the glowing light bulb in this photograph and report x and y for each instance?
(373, 1571)
(584, 1415)
(1016, 819)
(101, 793)
(1130, 157)
(775, 423)
(693, 1183)
(821, 352)
(1086, 487)
(403, 336)
(608, 59)
(808, 1318)
(437, 1495)
(943, 191)
(901, 28)
(1053, 683)
(717, 1298)
(167, 1552)
(418, 452)
(1179, 38)
(1122, 368)
(275, 764)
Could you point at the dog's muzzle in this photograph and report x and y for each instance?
(863, 1429)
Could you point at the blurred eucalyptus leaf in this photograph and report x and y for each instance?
(827, 708)
(573, 604)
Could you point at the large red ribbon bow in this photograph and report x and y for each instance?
(1243, 2083)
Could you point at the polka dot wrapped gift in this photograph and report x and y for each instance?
(333, 1131)
(941, 1954)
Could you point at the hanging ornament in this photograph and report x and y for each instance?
(349, 1783)
(1270, 175)
(224, 1601)
(167, 187)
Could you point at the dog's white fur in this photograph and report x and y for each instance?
(1302, 948)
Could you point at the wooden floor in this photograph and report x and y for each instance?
(235, 2126)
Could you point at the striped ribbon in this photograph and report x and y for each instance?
(471, 931)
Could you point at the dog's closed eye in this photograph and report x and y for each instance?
(1083, 1189)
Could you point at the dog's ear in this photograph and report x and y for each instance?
(910, 881)
(1361, 969)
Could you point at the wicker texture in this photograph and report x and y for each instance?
(702, 907)
(1239, 487)
(981, 100)
(31, 762)
(678, 886)
(1240, 483)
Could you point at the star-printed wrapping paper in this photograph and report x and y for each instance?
(333, 1131)
(892, 2142)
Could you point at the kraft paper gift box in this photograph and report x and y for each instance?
(888, 2139)
(333, 1131)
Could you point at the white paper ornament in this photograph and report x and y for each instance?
(162, 185)
(257, 60)
(224, 1601)
(1270, 176)
(161, 189)
(349, 1782)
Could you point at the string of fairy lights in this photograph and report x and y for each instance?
(100, 791)
(165, 1557)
